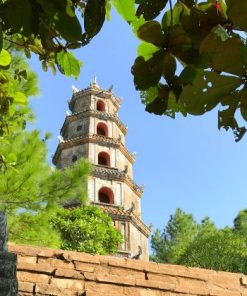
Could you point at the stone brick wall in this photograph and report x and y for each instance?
(8, 281)
(55, 272)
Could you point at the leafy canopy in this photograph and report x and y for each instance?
(52, 30)
(186, 242)
(194, 59)
(31, 191)
(87, 229)
(17, 82)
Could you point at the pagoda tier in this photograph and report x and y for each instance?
(95, 139)
(92, 113)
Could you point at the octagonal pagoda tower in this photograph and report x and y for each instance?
(95, 132)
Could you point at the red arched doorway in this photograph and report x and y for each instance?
(104, 159)
(106, 195)
(100, 106)
(102, 129)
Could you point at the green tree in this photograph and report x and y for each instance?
(176, 236)
(87, 229)
(240, 223)
(205, 246)
(219, 250)
(31, 191)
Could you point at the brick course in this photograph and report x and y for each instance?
(44, 272)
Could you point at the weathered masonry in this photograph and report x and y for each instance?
(94, 131)
(44, 272)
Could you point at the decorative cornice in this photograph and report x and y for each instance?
(93, 138)
(108, 173)
(117, 213)
(94, 113)
(104, 94)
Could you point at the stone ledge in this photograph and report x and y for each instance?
(59, 272)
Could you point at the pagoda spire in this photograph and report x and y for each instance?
(94, 83)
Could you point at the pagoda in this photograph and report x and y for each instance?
(94, 131)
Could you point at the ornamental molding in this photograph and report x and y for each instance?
(93, 113)
(96, 139)
(109, 173)
(99, 93)
(123, 215)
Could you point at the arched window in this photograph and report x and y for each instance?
(106, 195)
(104, 159)
(100, 106)
(102, 129)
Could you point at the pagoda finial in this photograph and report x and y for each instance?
(94, 83)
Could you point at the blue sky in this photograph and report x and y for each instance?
(184, 163)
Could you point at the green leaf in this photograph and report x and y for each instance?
(150, 9)
(51, 65)
(20, 98)
(174, 106)
(237, 11)
(226, 117)
(140, 1)
(1, 38)
(151, 32)
(224, 56)
(148, 73)
(27, 53)
(206, 91)
(69, 65)
(5, 58)
(221, 33)
(159, 105)
(244, 54)
(188, 75)
(68, 27)
(74, 45)
(94, 16)
(179, 38)
(11, 157)
(136, 24)
(243, 103)
(146, 50)
(44, 66)
(189, 3)
(170, 67)
(108, 10)
(19, 16)
(181, 45)
(173, 18)
(149, 95)
(52, 7)
(126, 8)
